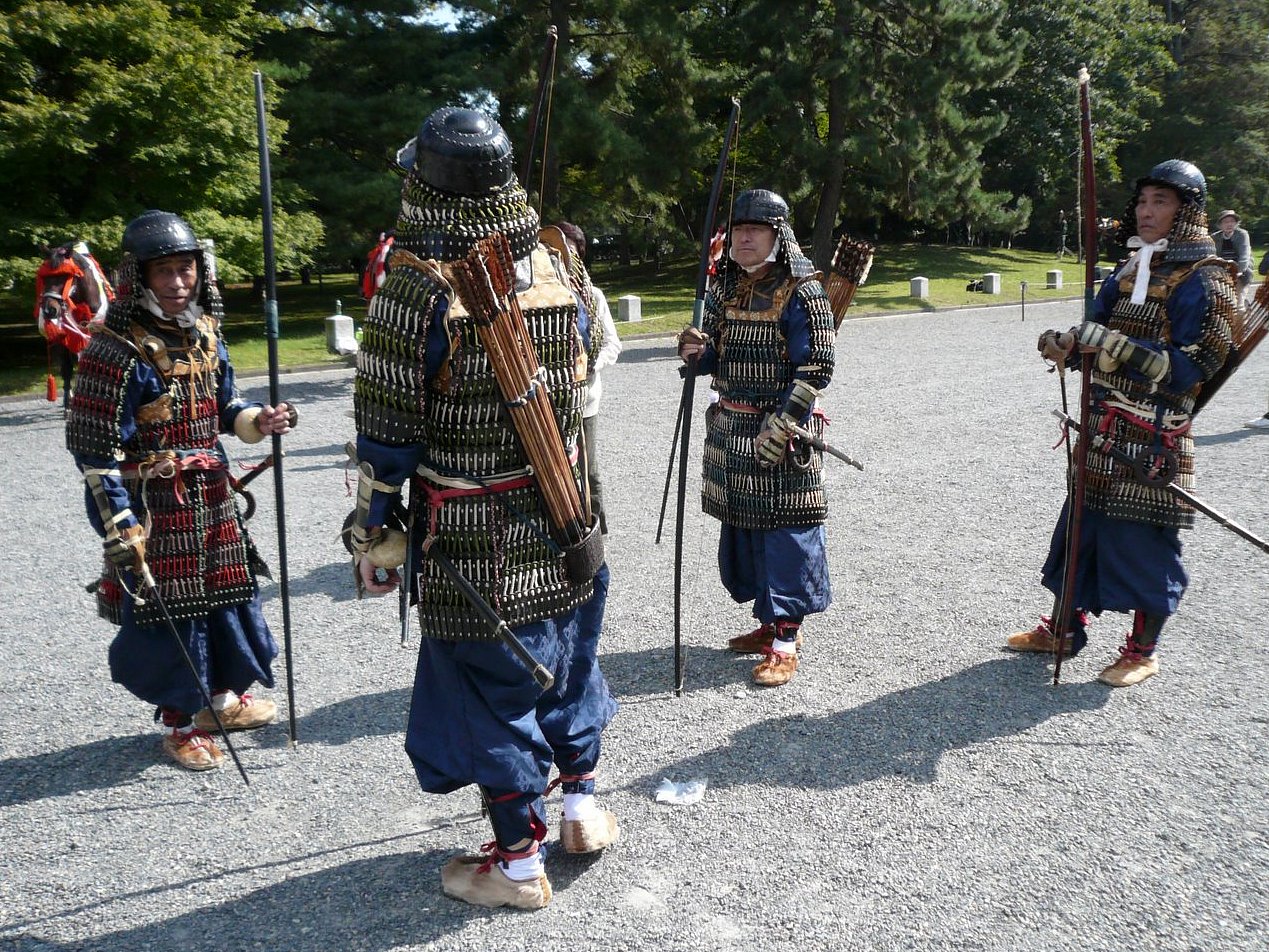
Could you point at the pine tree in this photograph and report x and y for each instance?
(107, 109)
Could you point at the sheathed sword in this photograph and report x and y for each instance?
(497, 626)
(806, 436)
(1100, 442)
(486, 611)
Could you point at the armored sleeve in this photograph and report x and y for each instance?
(400, 342)
(394, 454)
(112, 384)
(712, 320)
(810, 335)
(236, 414)
(1200, 311)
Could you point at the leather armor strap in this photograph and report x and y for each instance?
(360, 535)
(1117, 349)
(110, 520)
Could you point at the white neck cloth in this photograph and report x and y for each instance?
(186, 319)
(1140, 263)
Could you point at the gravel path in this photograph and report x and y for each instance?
(914, 787)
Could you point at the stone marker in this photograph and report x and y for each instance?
(629, 308)
(1053, 279)
(991, 283)
(339, 332)
(919, 288)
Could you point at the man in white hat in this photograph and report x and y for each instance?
(1234, 244)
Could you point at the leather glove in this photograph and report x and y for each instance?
(692, 343)
(266, 420)
(126, 547)
(771, 445)
(1055, 346)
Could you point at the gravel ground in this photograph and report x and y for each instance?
(913, 788)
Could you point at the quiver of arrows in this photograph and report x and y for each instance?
(1248, 327)
(485, 283)
(849, 269)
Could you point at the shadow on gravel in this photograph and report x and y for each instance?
(366, 715)
(372, 905)
(331, 449)
(905, 733)
(338, 385)
(1233, 436)
(334, 580)
(110, 762)
(51, 417)
(649, 674)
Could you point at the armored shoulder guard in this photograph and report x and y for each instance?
(390, 395)
(93, 418)
(1212, 348)
(822, 329)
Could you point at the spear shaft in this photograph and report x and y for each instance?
(271, 333)
(689, 390)
(1077, 479)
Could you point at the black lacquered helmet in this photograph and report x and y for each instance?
(1180, 175)
(155, 234)
(460, 187)
(463, 151)
(759, 206)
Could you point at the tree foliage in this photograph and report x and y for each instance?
(1124, 45)
(896, 118)
(356, 81)
(110, 108)
(1215, 109)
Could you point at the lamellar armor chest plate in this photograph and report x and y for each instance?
(485, 513)
(753, 374)
(1139, 416)
(171, 461)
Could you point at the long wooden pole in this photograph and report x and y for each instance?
(1077, 480)
(271, 333)
(689, 390)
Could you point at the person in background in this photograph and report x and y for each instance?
(1262, 422)
(609, 351)
(1234, 244)
(376, 267)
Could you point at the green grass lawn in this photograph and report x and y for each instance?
(666, 297)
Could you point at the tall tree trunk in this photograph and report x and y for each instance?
(834, 173)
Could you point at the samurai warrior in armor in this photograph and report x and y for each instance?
(768, 340)
(155, 391)
(430, 414)
(1161, 327)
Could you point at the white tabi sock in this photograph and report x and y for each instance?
(785, 647)
(579, 806)
(223, 700)
(524, 869)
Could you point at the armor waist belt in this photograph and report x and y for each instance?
(1167, 435)
(170, 464)
(457, 488)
